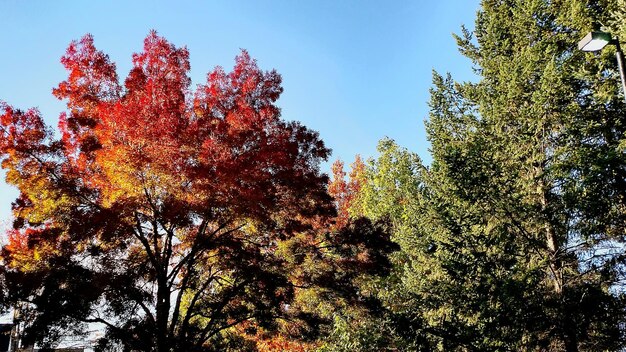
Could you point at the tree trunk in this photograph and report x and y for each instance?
(162, 316)
(570, 337)
(568, 334)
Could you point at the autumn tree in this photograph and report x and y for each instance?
(373, 326)
(162, 213)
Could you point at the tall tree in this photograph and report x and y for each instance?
(513, 237)
(362, 327)
(161, 212)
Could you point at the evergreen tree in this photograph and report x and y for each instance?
(512, 238)
(618, 24)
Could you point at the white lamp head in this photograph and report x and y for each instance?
(594, 41)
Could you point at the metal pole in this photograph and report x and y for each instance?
(15, 332)
(620, 63)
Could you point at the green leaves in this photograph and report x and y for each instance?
(509, 225)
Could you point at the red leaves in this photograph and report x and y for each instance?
(224, 147)
(243, 98)
(18, 241)
(157, 88)
(24, 145)
(245, 145)
(92, 77)
(344, 192)
(21, 131)
(92, 84)
(197, 185)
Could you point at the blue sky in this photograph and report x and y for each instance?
(356, 71)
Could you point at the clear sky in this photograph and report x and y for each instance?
(356, 71)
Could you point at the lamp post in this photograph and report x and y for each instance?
(595, 41)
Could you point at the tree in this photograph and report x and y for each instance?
(161, 212)
(617, 26)
(512, 239)
(345, 191)
(382, 325)
(539, 160)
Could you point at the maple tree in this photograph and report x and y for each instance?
(345, 191)
(168, 215)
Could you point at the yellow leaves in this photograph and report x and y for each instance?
(46, 203)
(120, 180)
(27, 248)
(312, 300)
(46, 199)
(127, 173)
(251, 227)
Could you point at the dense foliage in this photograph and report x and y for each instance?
(200, 221)
(512, 239)
(177, 220)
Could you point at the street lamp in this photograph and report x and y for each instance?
(595, 41)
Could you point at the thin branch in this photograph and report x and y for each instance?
(207, 334)
(190, 310)
(144, 241)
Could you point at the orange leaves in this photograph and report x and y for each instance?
(265, 341)
(279, 343)
(26, 248)
(150, 179)
(16, 252)
(92, 83)
(223, 146)
(345, 191)
(18, 241)
(118, 139)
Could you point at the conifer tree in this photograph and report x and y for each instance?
(512, 238)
